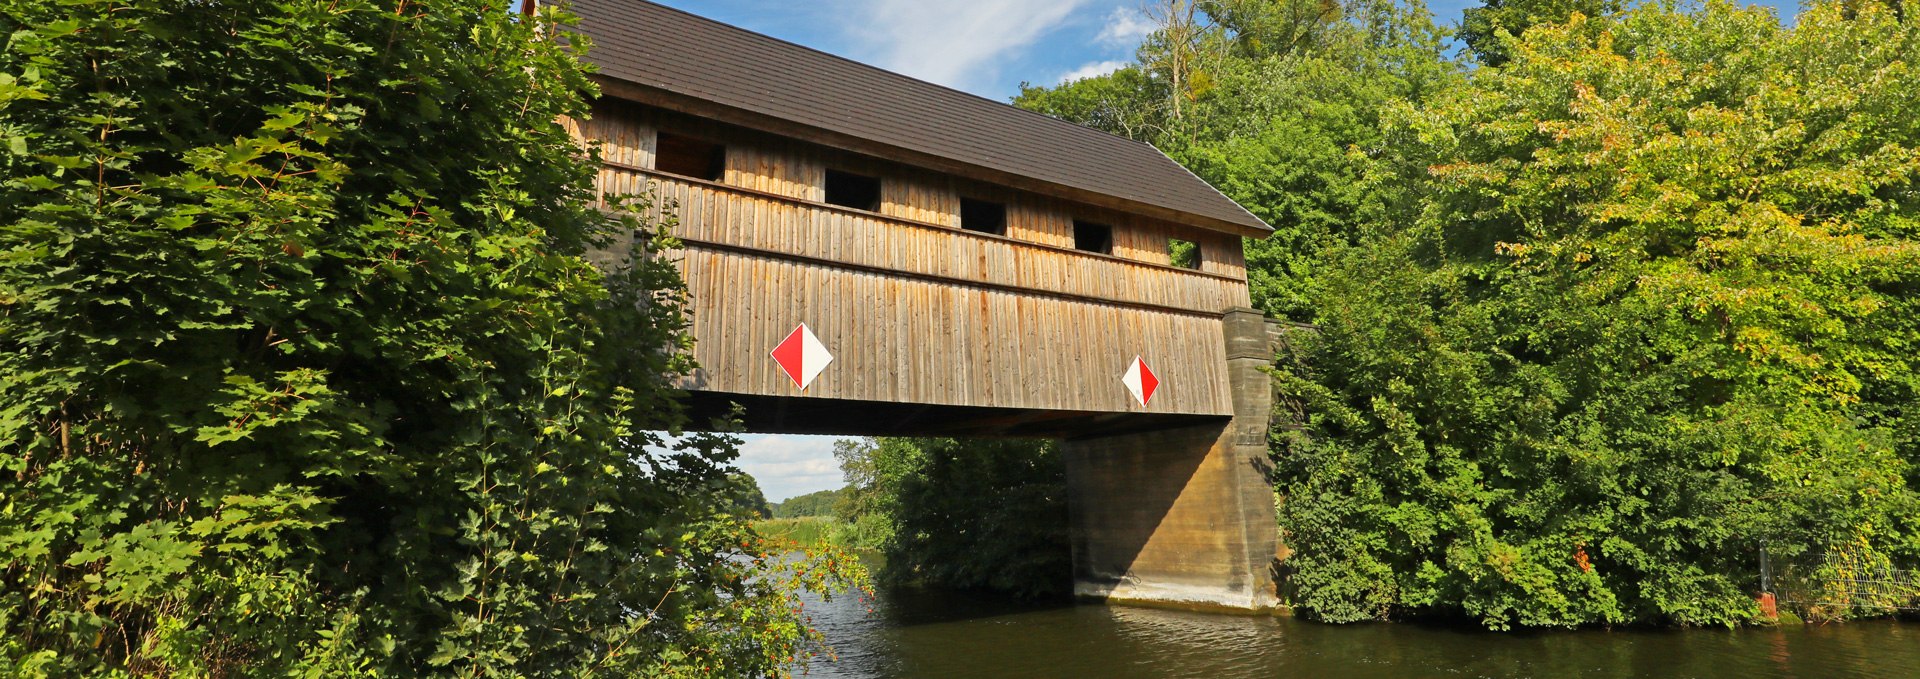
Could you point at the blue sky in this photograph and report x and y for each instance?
(987, 47)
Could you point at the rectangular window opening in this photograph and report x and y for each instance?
(1092, 237)
(847, 189)
(1183, 253)
(689, 157)
(983, 216)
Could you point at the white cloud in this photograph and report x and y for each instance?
(1090, 70)
(957, 43)
(788, 465)
(1126, 28)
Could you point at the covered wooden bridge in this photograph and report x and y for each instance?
(870, 254)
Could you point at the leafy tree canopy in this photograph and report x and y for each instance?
(1652, 312)
(1488, 30)
(1601, 317)
(749, 501)
(302, 370)
(961, 513)
(1284, 118)
(820, 503)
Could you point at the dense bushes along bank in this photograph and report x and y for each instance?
(946, 513)
(959, 513)
(1602, 314)
(302, 371)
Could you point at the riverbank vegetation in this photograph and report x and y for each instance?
(819, 503)
(305, 372)
(1606, 309)
(802, 532)
(959, 513)
(962, 514)
(821, 518)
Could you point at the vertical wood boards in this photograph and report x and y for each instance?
(785, 167)
(718, 215)
(918, 196)
(911, 341)
(1016, 322)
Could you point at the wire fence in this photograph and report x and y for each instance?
(1843, 584)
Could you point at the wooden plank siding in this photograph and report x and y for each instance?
(906, 340)
(915, 309)
(783, 167)
(717, 215)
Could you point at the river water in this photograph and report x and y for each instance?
(929, 634)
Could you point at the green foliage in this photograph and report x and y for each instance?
(1488, 31)
(749, 502)
(960, 513)
(1652, 310)
(1184, 254)
(1263, 28)
(819, 503)
(1600, 318)
(805, 531)
(1289, 126)
(864, 532)
(1119, 103)
(304, 371)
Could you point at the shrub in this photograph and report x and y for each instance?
(303, 370)
(960, 513)
(1654, 309)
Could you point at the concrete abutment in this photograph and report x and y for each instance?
(1183, 516)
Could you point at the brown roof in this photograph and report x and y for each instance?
(687, 57)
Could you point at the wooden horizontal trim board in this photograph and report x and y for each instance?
(910, 340)
(696, 244)
(728, 216)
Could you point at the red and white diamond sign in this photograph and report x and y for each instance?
(1141, 381)
(802, 356)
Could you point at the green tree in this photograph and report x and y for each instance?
(820, 503)
(1488, 30)
(1288, 123)
(749, 501)
(1296, 140)
(1651, 312)
(1123, 103)
(302, 370)
(1262, 28)
(962, 513)
(1180, 54)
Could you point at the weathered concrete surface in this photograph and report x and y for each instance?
(1183, 516)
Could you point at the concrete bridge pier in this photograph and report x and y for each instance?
(1183, 516)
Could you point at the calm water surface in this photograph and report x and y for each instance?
(920, 634)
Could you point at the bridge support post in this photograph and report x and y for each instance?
(1183, 516)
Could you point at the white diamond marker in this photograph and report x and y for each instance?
(802, 356)
(1141, 381)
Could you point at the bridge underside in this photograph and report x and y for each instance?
(1166, 508)
(840, 417)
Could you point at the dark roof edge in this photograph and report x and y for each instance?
(655, 96)
(901, 76)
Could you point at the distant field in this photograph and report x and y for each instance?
(805, 531)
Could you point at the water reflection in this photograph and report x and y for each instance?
(930, 634)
